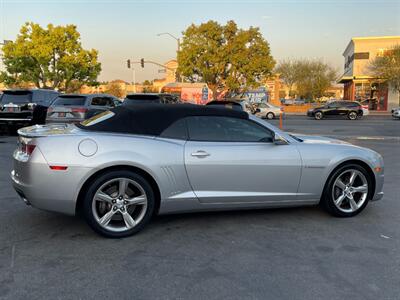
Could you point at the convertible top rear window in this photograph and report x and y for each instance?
(98, 118)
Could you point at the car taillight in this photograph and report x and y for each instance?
(365, 106)
(79, 110)
(27, 148)
(49, 110)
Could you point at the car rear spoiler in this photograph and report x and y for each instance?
(36, 131)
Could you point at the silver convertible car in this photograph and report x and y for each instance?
(123, 166)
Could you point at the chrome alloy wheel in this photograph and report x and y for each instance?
(119, 204)
(353, 115)
(350, 191)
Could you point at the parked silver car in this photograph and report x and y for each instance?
(73, 108)
(268, 111)
(122, 166)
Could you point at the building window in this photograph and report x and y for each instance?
(384, 52)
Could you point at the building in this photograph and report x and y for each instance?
(170, 75)
(196, 93)
(359, 83)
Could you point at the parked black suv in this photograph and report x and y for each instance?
(131, 99)
(349, 109)
(25, 107)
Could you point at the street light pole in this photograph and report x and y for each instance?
(178, 41)
(134, 79)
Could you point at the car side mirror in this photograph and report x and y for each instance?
(257, 110)
(279, 140)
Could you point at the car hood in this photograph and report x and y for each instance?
(314, 139)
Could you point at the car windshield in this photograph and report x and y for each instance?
(70, 101)
(263, 105)
(16, 97)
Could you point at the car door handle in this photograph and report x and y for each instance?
(200, 154)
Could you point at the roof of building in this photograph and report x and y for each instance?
(364, 38)
(152, 119)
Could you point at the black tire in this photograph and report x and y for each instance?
(327, 201)
(318, 115)
(97, 183)
(352, 115)
(270, 116)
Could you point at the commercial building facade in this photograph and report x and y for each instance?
(359, 82)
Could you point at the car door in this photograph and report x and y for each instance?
(342, 108)
(231, 160)
(332, 109)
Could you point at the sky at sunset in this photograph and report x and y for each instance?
(128, 29)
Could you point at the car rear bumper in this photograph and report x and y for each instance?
(62, 120)
(44, 188)
(15, 120)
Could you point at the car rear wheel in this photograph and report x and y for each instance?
(270, 116)
(352, 115)
(119, 204)
(318, 115)
(347, 191)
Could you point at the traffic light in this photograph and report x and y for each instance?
(142, 62)
(128, 62)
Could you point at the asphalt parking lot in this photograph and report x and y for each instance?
(295, 253)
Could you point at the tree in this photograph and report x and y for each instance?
(387, 67)
(114, 88)
(311, 78)
(288, 71)
(50, 58)
(224, 56)
(147, 82)
(314, 78)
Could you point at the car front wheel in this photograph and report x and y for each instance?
(353, 115)
(118, 204)
(347, 191)
(270, 116)
(318, 115)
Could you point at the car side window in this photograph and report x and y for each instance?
(101, 101)
(226, 129)
(177, 130)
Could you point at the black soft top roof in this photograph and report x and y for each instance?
(153, 119)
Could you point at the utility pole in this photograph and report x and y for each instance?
(174, 37)
(178, 41)
(129, 65)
